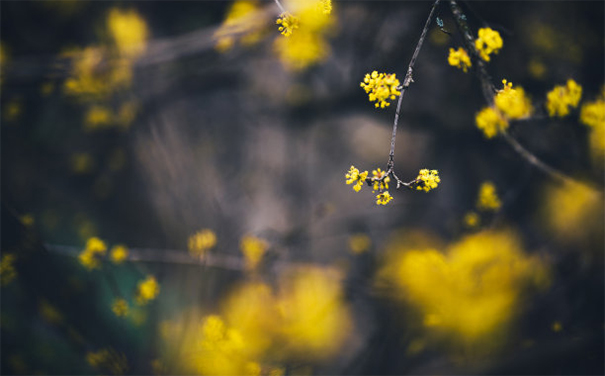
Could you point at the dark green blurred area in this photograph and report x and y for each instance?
(236, 143)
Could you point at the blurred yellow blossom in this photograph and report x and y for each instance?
(120, 307)
(7, 268)
(128, 31)
(561, 98)
(488, 199)
(359, 243)
(316, 321)
(241, 21)
(325, 6)
(489, 42)
(427, 179)
(308, 45)
(573, 212)
(118, 254)
(472, 219)
(253, 249)
(82, 163)
(97, 117)
(381, 87)
(354, 176)
(49, 313)
(473, 290)
(593, 113)
(459, 58)
(490, 121)
(27, 219)
(556, 326)
(287, 24)
(383, 198)
(512, 102)
(201, 242)
(90, 257)
(147, 290)
(12, 109)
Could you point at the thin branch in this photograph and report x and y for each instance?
(281, 8)
(406, 83)
(489, 91)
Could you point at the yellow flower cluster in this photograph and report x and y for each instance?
(427, 179)
(118, 254)
(381, 180)
(593, 114)
(308, 45)
(383, 198)
(472, 219)
(472, 290)
(513, 102)
(459, 58)
(509, 103)
(241, 21)
(120, 307)
(488, 199)
(287, 24)
(90, 257)
(354, 176)
(147, 290)
(128, 31)
(490, 121)
(561, 98)
(325, 6)
(201, 242)
(381, 87)
(489, 42)
(253, 249)
(7, 268)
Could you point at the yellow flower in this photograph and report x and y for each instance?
(253, 249)
(241, 22)
(90, 257)
(325, 6)
(378, 184)
(353, 176)
(472, 219)
(359, 243)
(287, 23)
(201, 241)
(118, 254)
(7, 268)
(512, 102)
(147, 290)
(593, 113)
(561, 98)
(488, 42)
(128, 31)
(120, 307)
(459, 58)
(381, 88)
(427, 179)
(302, 49)
(488, 198)
(383, 198)
(490, 121)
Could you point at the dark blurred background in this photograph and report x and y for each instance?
(180, 128)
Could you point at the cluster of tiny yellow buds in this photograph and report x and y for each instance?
(381, 87)
(593, 113)
(488, 42)
(459, 58)
(118, 254)
(381, 180)
(491, 122)
(90, 257)
(147, 290)
(513, 102)
(355, 177)
(561, 98)
(120, 307)
(383, 198)
(201, 241)
(488, 199)
(427, 179)
(287, 23)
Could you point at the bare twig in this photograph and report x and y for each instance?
(406, 83)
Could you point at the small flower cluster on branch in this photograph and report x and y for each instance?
(381, 87)
(489, 42)
(509, 104)
(560, 99)
(426, 180)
